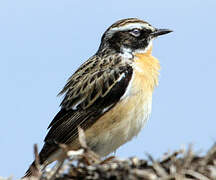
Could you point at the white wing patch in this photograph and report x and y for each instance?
(74, 107)
(121, 77)
(128, 90)
(107, 108)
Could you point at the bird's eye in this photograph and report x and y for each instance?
(135, 32)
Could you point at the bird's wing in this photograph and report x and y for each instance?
(88, 99)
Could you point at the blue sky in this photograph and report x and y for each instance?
(43, 42)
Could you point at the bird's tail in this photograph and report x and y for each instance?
(34, 168)
(40, 160)
(32, 171)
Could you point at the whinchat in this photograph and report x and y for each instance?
(110, 95)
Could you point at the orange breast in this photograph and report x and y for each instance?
(146, 70)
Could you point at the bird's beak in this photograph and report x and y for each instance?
(159, 32)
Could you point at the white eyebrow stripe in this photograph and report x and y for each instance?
(131, 26)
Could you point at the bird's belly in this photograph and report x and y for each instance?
(121, 123)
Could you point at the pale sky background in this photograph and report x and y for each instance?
(43, 42)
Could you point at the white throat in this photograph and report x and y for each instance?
(126, 53)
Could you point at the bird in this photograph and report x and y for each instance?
(109, 96)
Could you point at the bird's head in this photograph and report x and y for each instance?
(130, 35)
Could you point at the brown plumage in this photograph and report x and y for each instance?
(110, 95)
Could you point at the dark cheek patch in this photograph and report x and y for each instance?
(142, 44)
(129, 41)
